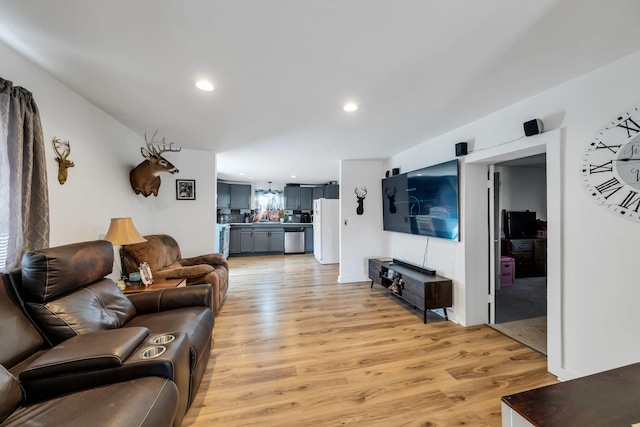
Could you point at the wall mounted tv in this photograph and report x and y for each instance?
(424, 202)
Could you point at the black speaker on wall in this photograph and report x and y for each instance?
(533, 127)
(461, 149)
(387, 173)
(395, 171)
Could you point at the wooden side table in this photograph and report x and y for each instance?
(156, 285)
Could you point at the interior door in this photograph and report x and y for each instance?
(494, 239)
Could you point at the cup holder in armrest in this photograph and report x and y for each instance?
(164, 339)
(152, 352)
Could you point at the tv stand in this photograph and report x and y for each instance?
(425, 291)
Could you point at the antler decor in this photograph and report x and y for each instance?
(360, 195)
(62, 149)
(144, 177)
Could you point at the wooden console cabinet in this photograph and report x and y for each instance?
(608, 398)
(530, 256)
(423, 291)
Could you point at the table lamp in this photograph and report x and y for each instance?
(122, 232)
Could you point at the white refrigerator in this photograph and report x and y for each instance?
(326, 227)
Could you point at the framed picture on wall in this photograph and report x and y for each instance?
(185, 189)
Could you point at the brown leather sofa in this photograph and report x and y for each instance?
(100, 336)
(144, 401)
(162, 253)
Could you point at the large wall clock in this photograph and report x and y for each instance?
(610, 166)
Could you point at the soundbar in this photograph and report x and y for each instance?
(414, 267)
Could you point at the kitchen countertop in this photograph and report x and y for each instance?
(268, 223)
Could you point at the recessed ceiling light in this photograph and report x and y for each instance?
(241, 173)
(204, 85)
(350, 107)
(293, 176)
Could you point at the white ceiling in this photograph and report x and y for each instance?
(284, 68)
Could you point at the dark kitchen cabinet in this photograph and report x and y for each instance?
(306, 198)
(234, 240)
(331, 191)
(246, 240)
(233, 196)
(268, 240)
(318, 192)
(224, 195)
(298, 198)
(308, 240)
(240, 196)
(249, 239)
(291, 197)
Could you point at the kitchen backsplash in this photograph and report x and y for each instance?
(231, 216)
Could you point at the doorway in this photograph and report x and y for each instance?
(477, 238)
(520, 218)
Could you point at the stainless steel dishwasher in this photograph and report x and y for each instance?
(294, 240)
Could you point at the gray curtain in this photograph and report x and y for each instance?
(24, 199)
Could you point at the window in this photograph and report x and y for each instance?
(269, 205)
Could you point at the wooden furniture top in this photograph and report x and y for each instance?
(609, 398)
(156, 285)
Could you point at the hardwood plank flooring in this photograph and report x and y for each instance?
(292, 347)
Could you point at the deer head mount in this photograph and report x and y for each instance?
(390, 194)
(62, 149)
(360, 195)
(144, 177)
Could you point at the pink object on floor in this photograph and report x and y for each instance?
(507, 271)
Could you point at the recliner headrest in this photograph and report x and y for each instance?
(50, 273)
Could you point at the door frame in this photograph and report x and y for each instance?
(551, 143)
(494, 239)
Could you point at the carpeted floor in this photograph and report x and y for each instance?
(526, 299)
(521, 312)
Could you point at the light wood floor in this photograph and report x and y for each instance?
(292, 347)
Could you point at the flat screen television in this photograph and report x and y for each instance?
(423, 202)
(520, 224)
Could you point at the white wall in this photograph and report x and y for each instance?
(104, 150)
(191, 222)
(360, 235)
(599, 273)
(524, 188)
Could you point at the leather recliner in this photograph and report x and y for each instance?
(68, 297)
(163, 255)
(144, 401)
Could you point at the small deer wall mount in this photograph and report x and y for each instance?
(361, 193)
(62, 149)
(144, 177)
(390, 194)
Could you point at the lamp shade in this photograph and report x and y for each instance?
(123, 232)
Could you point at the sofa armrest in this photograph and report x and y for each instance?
(170, 361)
(193, 273)
(87, 352)
(211, 259)
(171, 299)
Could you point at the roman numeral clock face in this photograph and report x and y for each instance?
(610, 166)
